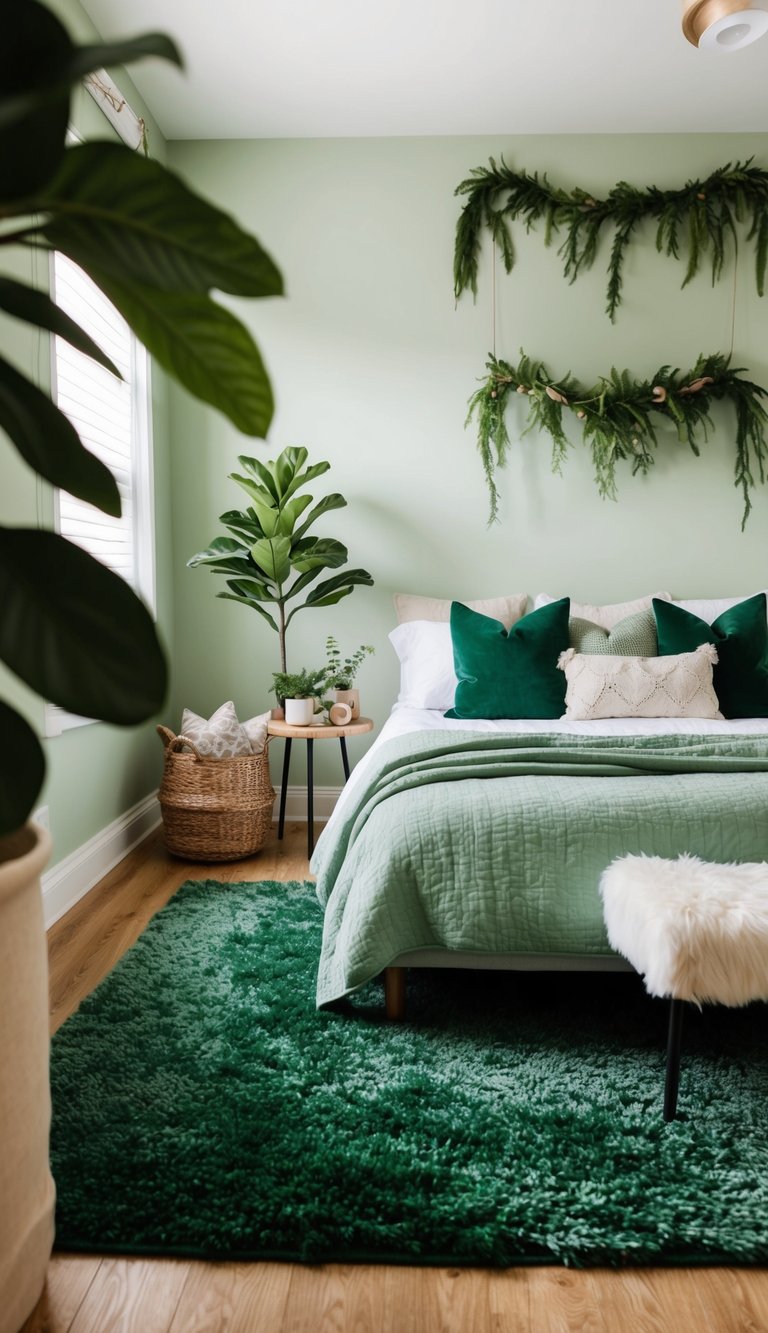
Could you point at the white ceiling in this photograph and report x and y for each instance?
(305, 68)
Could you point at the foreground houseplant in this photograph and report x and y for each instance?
(69, 628)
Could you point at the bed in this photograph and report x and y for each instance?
(481, 843)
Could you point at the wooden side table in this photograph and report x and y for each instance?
(321, 732)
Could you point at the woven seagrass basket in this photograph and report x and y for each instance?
(214, 809)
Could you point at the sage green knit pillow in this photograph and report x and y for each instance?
(634, 636)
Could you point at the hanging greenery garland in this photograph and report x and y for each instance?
(701, 214)
(617, 416)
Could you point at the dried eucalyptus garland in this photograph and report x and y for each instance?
(701, 215)
(617, 416)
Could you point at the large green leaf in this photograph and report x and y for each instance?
(125, 215)
(351, 577)
(37, 308)
(220, 548)
(331, 591)
(291, 511)
(22, 770)
(50, 444)
(324, 506)
(203, 346)
(261, 472)
(34, 108)
(286, 467)
(303, 478)
(318, 553)
(76, 632)
(268, 516)
(272, 554)
(243, 525)
(248, 601)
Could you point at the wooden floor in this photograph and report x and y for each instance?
(90, 1294)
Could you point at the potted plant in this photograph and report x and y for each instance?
(268, 560)
(297, 695)
(340, 674)
(70, 628)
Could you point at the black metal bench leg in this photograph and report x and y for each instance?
(673, 1058)
(344, 757)
(310, 799)
(284, 786)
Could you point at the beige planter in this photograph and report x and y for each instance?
(351, 697)
(27, 1192)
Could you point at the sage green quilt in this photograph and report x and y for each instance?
(495, 843)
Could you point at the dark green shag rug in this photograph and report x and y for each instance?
(202, 1106)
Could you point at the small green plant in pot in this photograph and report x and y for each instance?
(340, 672)
(297, 693)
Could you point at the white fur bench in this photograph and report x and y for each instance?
(696, 930)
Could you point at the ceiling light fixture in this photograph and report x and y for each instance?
(724, 25)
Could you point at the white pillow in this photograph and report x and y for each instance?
(427, 677)
(709, 608)
(220, 736)
(604, 616)
(673, 686)
(506, 609)
(256, 730)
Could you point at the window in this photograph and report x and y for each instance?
(111, 416)
(112, 419)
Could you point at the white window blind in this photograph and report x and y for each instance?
(100, 408)
(112, 418)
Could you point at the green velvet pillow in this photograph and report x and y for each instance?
(509, 673)
(741, 638)
(634, 636)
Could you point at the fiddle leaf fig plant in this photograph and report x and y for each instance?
(69, 627)
(269, 560)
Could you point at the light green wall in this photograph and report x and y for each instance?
(373, 365)
(95, 772)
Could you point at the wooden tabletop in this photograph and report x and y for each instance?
(320, 731)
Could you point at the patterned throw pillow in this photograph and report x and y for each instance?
(256, 729)
(634, 636)
(218, 737)
(680, 686)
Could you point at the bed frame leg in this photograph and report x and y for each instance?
(394, 993)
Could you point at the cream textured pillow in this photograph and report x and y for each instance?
(256, 730)
(506, 609)
(605, 616)
(675, 686)
(220, 736)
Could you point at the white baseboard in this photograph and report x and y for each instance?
(325, 799)
(71, 879)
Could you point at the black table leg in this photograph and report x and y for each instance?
(284, 786)
(310, 798)
(344, 757)
(673, 1058)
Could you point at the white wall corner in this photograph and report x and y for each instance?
(72, 878)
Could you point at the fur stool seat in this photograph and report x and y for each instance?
(696, 930)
